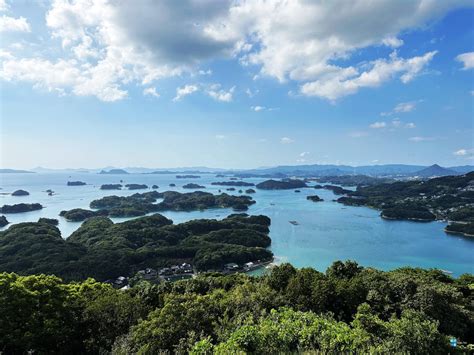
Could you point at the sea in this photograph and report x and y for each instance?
(321, 232)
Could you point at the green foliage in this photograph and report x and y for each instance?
(447, 197)
(80, 214)
(347, 309)
(104, 250)
(21, 207)
(466, 229)
(285, 184)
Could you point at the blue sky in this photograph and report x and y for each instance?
(236, 84)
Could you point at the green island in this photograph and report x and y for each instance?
(3, 221)
(20, 193)
(449, 198)
(285, 184)
(141, 204)
(193, 186)
(353, 180)
(337, 190)
(80, 214)
(232, 183)
(76, 183)
(188, 177)
(104, 250)
(111, 187)
(21, 207)
(465, 229)
(347, 309)
(314, 198)
(113, 172)
(136, 186)
(250, 191)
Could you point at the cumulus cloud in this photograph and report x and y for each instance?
(3, 5)
(184, 91)
(286, 140)
(346, 81)
(220, 137)
(380, 124)
(257, 108)
(410, 125)
(12, 24)
(405, 107)
(112, 44)
(464, 153)
(402, 107)
(150, 92)
(460, 152)
(221, 95)
(467, 59)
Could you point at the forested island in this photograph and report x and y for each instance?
(144, 203)
(113, 172)
(111, 187)
(337, 190)
(193, 186)
(188, 177)
(21, 207)
(232, 183)
(353, 180)
(20, 193)
(136, 186)
(285, 184)
(76, 183)
(314, 198)
(449, 198)
(3, 221)
(104, 250)
(347, 309)
(80, 214)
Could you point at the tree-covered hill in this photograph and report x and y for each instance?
(103, 250)
(347, 309)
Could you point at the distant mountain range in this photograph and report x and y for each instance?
(388, 170)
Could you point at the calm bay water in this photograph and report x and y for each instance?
(327, 231)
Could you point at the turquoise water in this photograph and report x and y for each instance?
(327, 231)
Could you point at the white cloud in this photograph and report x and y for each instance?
(257, 108)
(184, 91)
(303, 154)
(465, 153)
(220, 137)
(205, 72)
(460, 152)
(11, 24)
(286, 140)
(467, 59)
(151, 92)
(380, 124)
(251, 93)
(3, 5)
(396, 123)
(393, 42)
(110, 45)
(418, 139)
(402, 107)
(410, 125)
(405, 107)
(221, 95)
(346, 81)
